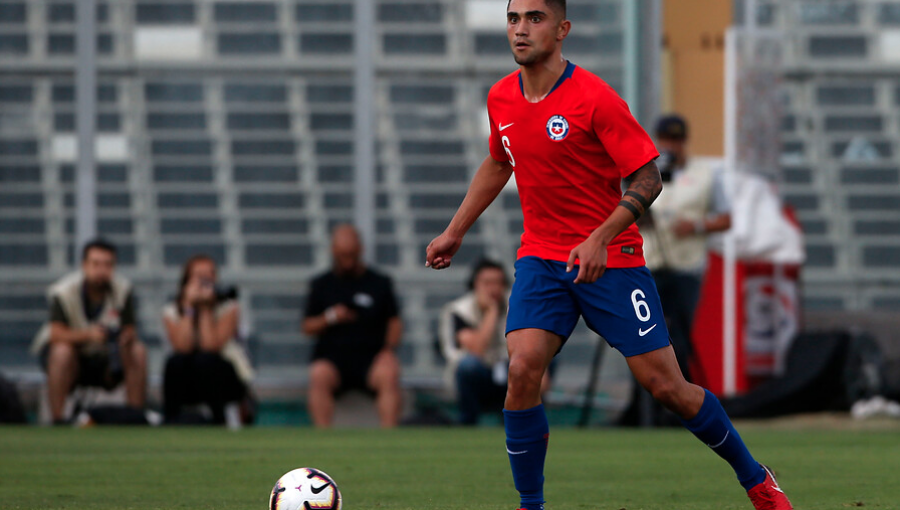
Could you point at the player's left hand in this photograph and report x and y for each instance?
(440, 251)
(591, 255)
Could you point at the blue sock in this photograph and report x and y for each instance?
(712, 426)
(527, 433)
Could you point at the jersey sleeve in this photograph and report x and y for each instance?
(315, 303)
(128, 315)
(57, 314)
(494, 141)
(624, 139)
(391, 308)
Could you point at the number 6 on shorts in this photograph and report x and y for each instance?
(641, 309)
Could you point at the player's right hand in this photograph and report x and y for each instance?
(591, 255)
(97, 334)
(343, 313)
(441, 250)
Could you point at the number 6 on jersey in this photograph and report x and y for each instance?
(512, 160)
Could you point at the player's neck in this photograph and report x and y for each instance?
(539, 78)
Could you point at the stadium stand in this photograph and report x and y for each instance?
(839, 157)
(225, 127)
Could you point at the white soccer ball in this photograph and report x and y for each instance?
(305, 489)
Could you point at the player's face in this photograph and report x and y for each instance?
(98, 267)
(534, 31)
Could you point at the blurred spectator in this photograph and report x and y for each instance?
(92, 338)
(352, 312)
(207, 365)
(473, 341)
(693, 205)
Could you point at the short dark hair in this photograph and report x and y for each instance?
(99, 244)
(482, 265)
(557, 5)
(672, 127)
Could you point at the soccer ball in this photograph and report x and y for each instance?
(305, 489)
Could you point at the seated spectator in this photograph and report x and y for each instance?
(92, 338)
(474, 344)
(473, 341)
(207, 365)
(352, 312)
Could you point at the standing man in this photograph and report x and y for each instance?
(571, 141)
(92, 338)
(352, 312)
(676, 230)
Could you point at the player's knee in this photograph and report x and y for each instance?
(665, 392)
(386, 373)
(323, 375)
(137, 358)
(61, 356)
(390, 362)
(525, 375)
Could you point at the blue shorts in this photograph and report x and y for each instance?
(622, 306)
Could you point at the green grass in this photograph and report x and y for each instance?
(421, 469)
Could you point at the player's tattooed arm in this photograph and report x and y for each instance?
(643, 186)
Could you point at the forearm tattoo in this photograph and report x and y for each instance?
(644, 185)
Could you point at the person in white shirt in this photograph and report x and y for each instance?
(207, 364)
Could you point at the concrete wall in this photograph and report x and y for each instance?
(693, 65)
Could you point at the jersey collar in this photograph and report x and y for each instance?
(570, 68)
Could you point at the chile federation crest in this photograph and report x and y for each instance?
(557, 128)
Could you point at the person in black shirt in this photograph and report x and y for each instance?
(92, 338)
(352, 312)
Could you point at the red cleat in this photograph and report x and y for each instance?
(768, 495)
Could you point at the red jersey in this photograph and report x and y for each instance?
(569, 153)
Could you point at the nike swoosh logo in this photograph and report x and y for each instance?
(720, 442)
(642, 332)
(316, 490)
(502, 127)
(515, 453)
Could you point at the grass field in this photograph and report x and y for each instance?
(422, 469)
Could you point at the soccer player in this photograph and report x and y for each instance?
(571, 141)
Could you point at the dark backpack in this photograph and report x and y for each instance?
(11, 409)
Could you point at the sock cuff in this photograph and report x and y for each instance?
(706, 413)
(526, 424)
(524, 413)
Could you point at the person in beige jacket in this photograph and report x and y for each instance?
(91, 338)
(692, 206)
(473, 342)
